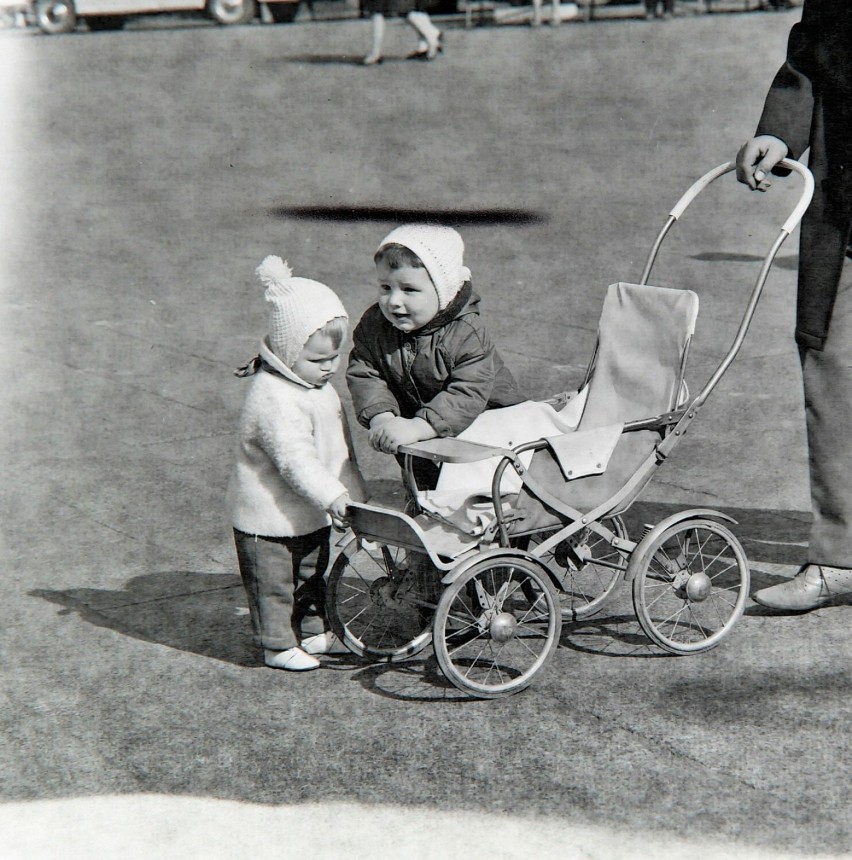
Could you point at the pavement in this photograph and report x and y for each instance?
(147, 173)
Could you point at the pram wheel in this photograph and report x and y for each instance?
(381, 599)
(691, 586)
(586, 585)
(496, 625)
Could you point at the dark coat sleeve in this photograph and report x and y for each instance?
(370, 393)
(788, 110)
(471, 369)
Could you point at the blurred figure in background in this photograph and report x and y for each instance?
(429, 36)
(655, 9)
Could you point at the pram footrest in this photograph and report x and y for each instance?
(442, 543)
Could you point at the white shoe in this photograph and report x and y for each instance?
(813, 586)
(320, 643)
(293, 660)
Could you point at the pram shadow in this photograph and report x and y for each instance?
(609, 635)
(202, 613)
(416, 680)
(205, 613)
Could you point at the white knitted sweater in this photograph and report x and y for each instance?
(293, 459)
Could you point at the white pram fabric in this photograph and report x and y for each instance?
(642, 337)
(462, 495)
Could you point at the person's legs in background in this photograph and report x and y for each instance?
(429, 35)
(378, 27)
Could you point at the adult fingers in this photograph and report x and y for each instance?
(748, 156)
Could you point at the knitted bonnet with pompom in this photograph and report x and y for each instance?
(297, 308)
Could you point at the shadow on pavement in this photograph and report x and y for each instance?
(617, 635)
(452, 217)
(767, 536)
(790, 263)
(325, 60)
(417, 680)
(760, 699)
(203, 613)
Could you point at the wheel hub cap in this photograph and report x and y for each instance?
(503, 626)
(699, 587)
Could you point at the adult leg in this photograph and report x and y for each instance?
(828, 411)
(375, 56)
(427, 31)
(827, 378)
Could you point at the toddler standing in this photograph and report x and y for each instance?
(295, 469)
(422, 364)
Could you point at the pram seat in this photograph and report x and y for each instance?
(636, 374)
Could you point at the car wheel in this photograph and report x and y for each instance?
(55, 16)
(282, 13)
(231, 11)
(97, 23)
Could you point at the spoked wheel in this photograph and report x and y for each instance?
(691, 586)
(381, 599)
(496, 626)
(588, 567)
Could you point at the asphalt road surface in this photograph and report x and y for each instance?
(146, 173)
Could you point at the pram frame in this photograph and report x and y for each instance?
(372, 523)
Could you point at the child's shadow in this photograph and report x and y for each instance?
(203, 613)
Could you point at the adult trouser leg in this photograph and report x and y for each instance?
(827, 378)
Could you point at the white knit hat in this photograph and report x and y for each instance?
(441, 250)
(297, 308)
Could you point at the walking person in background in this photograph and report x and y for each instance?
(655, 9)
(430, 38)
(809, 107)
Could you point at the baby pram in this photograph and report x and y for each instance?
(490, 584)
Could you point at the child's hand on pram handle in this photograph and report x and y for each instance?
(388, 432)
(757, 158)
(337, 511)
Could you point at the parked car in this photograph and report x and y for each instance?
(62, 16)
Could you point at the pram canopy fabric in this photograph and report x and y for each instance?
(642, 337)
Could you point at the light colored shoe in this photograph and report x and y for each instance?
(293, 660)
(321, 643)
(813, 586)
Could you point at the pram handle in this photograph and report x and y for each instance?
(795, 216)
(699, 185)
(788, 226)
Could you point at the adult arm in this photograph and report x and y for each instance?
(785, 124)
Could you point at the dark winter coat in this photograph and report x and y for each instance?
(810, 105)
(447, 372)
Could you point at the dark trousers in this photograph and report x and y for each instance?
(827, 377)
(284, 582)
